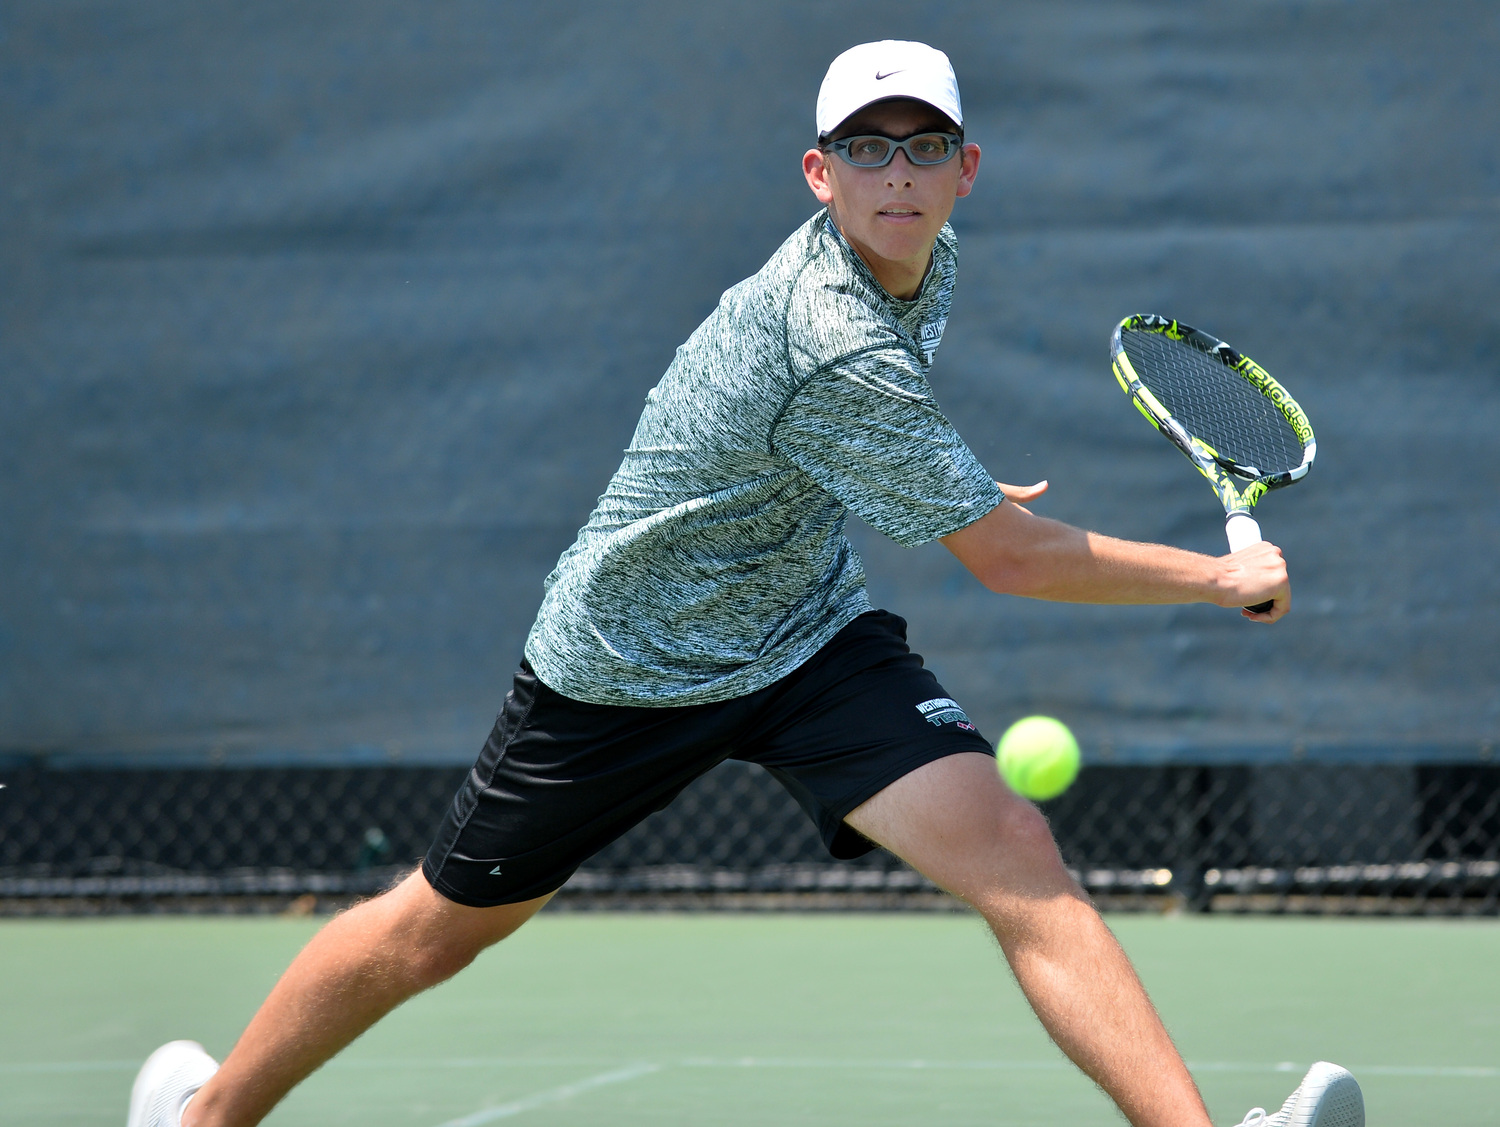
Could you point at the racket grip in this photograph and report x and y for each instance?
(1242, 532)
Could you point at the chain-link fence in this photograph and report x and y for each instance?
(1385, 838)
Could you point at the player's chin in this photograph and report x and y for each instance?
(899, 240)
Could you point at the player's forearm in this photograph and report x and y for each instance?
(1068, 565)
(1085, 567)
(1015, 552)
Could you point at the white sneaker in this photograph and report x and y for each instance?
(1328, 1096)
(166, 1082)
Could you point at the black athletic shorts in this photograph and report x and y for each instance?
(559, 779)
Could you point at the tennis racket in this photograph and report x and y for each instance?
(1220, 408)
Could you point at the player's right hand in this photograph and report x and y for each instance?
(1251, 576)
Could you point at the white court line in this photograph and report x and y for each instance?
(552, 1095)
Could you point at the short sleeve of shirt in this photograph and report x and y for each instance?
(865, 427)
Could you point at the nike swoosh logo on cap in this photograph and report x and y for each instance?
(887, 74)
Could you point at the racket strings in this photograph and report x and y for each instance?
(1214, 403)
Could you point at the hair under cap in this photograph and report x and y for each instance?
(891, 68)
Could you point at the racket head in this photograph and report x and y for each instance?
(1235, 422)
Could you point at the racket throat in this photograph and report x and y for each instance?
(1244, 473)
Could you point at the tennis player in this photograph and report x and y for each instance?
(712, 608)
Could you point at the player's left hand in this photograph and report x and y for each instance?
(1021, 493)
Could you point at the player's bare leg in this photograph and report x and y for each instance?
(957, 823)
(362, 965)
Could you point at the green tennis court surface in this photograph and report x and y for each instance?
(775, 1019)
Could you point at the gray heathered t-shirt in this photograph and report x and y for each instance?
(716, 563)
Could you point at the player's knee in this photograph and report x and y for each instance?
(1025, 836)
(435, 958)
(1035, 835)
(1025, 862)
(436, 950)
(435, 938)
(448, 941)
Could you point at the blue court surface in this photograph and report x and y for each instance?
(758, 1019)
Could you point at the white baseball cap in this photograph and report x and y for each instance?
(892, 68)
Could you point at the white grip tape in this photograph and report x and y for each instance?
(1242, 531)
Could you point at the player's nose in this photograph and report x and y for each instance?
(898, 174)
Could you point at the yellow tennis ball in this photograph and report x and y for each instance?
(1038, 757)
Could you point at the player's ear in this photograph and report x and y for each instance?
(969, 170)
(815, 169)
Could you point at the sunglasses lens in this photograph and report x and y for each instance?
(869, 150)
(931, 148)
